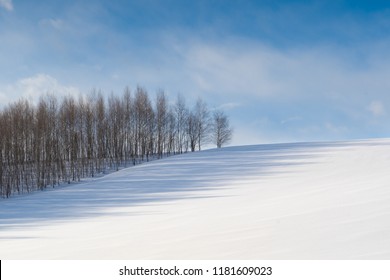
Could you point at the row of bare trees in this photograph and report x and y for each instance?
(63, 141)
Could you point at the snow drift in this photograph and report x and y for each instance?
(280, 201)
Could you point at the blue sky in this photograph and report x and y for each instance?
(282, 70)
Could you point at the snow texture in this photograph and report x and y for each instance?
(280, 201)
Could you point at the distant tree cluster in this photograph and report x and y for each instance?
(63, 141)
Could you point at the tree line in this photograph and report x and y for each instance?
(57, 141)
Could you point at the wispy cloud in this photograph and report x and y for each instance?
(377, 108)
(240, 69)
(291, 119)
(32, 88)
(229, 106)
(7, 4)
(312, 93)
(52, 22)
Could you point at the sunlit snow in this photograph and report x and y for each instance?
(280, 201)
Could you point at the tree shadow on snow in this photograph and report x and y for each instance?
(186, 176)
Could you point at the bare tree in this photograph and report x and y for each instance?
(128, 141)
(144, 123)
(161, 122)
(192, 128)
(54, 142)
(181, 115)
(222, 131)
(115, 127)
(171, 133)
(101, 131)
(202, 122)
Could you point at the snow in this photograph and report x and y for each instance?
(326, 200)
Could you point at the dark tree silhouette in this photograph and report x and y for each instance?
(64, 140)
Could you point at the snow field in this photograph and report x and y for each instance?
(280, 201)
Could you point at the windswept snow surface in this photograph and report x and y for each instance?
(280, 201)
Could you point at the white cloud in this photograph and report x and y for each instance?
(52, 22)
(6, 4)
(291, 119)
(335, 129)
(225, 70)
(252, 70)
(32, 88)
(229, 106)
(3, 99)
(376, 108)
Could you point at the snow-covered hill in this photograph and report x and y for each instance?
(282, 201)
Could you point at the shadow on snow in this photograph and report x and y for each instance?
(179, 177)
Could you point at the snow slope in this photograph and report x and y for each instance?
(281, 201)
